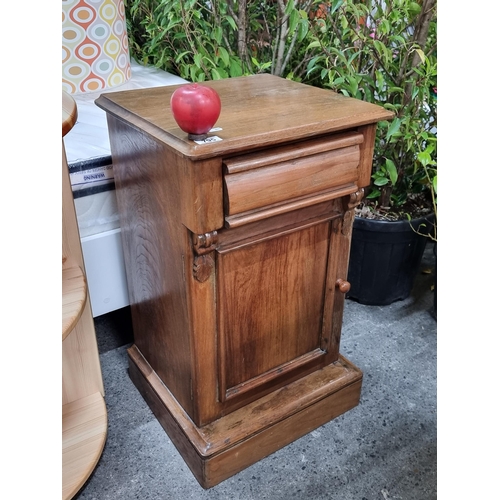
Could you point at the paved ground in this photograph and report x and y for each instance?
(383, 449)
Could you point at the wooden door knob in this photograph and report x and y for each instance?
(343, 285)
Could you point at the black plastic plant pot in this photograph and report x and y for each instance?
(385, 259)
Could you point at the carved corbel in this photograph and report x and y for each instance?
(349, 205)
(203, 246)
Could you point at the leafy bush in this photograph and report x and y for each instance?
(386, 53)
(381, 51)
(203, 40)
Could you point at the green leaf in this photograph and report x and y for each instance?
(421, 53)
(289, 7)
(197, 59)
(222, 73)
(382, 50)
(231, 21)
(311, 64)
(353, 85)
(313, 44)
(424, 158)
(335, 5)
(394, 127)
(381, 181)
(215, 74)
(303, 29)
(375, 193)
(294, 20)
(224, 55)
(180, 36)
(355, 55)
(235, 67)
(192, 72)
(414, 8)
(384, 27)
(181, 55)
(392, 171)
(217, 32)
(391, 107)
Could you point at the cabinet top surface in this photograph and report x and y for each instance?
(258, 110)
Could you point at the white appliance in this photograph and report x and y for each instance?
(91, 174)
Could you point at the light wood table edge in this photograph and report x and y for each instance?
(85, 418)
(69, 113)
(74, 296)
(84, 432)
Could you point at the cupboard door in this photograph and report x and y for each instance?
(272, 310)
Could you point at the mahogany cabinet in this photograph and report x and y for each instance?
(236, 252)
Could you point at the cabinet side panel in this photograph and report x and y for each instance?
(155, 242)
(366, 150)
(271, 303)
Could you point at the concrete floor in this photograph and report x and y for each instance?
(383, 449)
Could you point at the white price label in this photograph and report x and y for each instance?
(213, 138)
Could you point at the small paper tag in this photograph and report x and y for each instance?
(213, 138)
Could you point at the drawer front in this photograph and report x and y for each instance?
(290, 177)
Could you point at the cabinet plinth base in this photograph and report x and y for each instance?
(228, 445)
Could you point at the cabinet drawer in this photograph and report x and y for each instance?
(261, 184)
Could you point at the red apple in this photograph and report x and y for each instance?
(196, 108)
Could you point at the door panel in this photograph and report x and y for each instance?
(266, 330)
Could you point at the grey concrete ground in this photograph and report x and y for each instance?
(383, 449)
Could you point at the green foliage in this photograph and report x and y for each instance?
(193, 39)
(204, 40)
(385, 53)
(381, 51)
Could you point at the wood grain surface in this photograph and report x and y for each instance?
(69, 113)
(257, 111)
(84, 414)
(226, 446)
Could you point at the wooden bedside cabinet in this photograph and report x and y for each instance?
(236, 256)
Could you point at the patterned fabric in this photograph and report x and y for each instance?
(95, 53)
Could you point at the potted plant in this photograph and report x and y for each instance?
(385, 52)
(381, 51)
